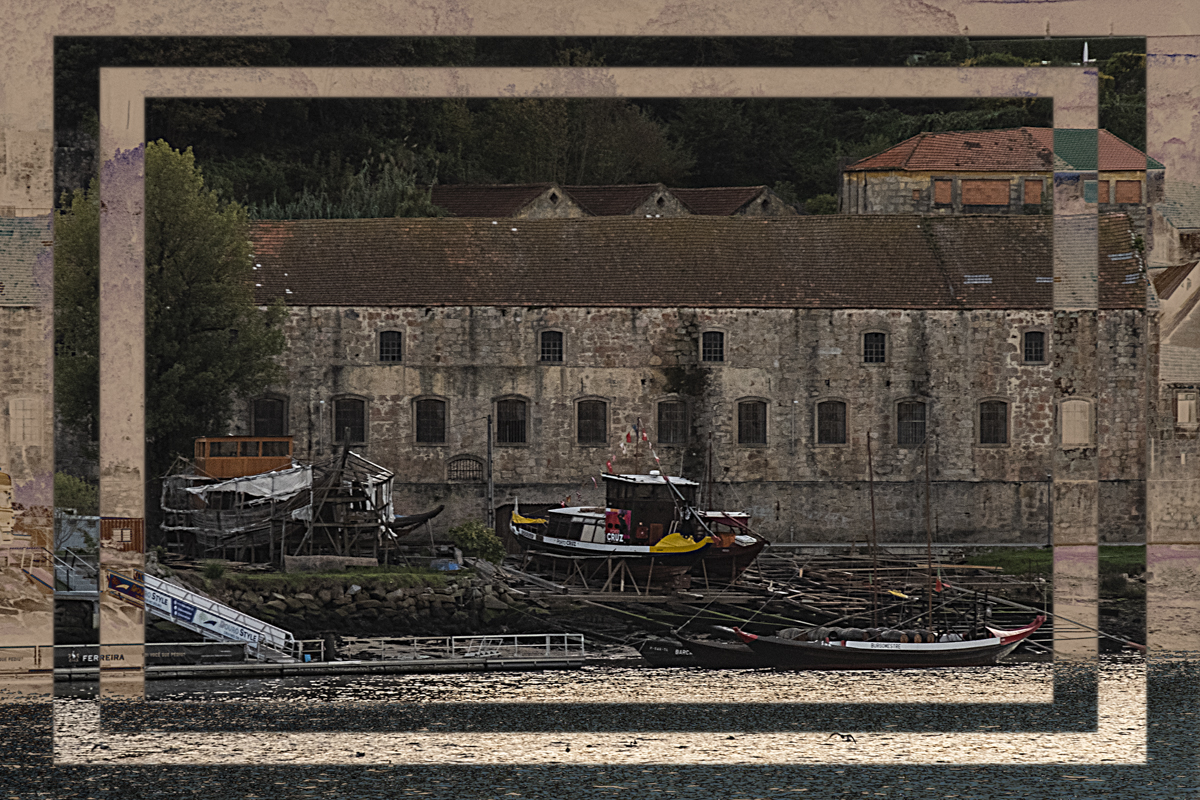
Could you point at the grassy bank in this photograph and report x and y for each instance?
(1039, 561)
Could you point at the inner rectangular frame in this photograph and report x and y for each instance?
(122, 117)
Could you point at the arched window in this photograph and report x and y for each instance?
(430, 418)
(752, 422)
(831, 422)
(511, 425)
(993, 422)
(910, 423)
(591, 422)
(672, 422)
(1076, 429)
(350, 413)
(391, 346)
(465, 468)
(268, 416)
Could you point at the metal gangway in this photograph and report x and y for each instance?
(208, 617)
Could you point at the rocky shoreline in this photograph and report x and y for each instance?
(374, 606)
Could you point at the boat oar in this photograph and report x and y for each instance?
(1010, 603)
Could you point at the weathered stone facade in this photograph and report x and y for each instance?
(790, 359)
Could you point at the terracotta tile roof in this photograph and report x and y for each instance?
(1166, 281)
(1009, 150)
(613, 200)
(25, 260)
(718, 201)
(826, 261)
(486, 200)
(1123, 275)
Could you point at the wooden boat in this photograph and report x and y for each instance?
(734, 546)
(716, 654)
(662, 652)
(793, 654)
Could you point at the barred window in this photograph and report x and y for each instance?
(431, 421)
(672, 422)
(752, 422)
(351, 413)
(390, 348)
(910, 424)
(1035, 347)
(465, 468)
(552, 347)
(268, 417)
(993, 422)
(712, 346)
(510, 422)
(591, 422)
(831, 422)
(874, 348)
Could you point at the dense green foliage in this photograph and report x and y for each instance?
(291, 155)
(476, 539)
(206, 341)
(76, 493)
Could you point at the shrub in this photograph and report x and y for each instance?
(76, 493)
(213, 570)
(475, 539)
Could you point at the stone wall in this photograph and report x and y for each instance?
(789, 359)
(373, 607)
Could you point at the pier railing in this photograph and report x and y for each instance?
(513, 645)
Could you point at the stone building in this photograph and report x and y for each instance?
(26, 443)
(753, 355)
(1001, 172)
(1175, 226)
(519, 201)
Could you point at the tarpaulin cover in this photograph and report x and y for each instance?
(279, 485)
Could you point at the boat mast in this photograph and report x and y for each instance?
(928, 536)
(874, 540)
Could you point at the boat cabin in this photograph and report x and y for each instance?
(239, 456)
(645, 508)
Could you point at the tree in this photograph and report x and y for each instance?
(206, 340)
(391, 191)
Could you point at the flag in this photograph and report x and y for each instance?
(645, 438)
(938, 587)
(629, 437)
(609, 465)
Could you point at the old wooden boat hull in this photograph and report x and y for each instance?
(724, 564)
(790, 654)
(723, 655)
(665, 653)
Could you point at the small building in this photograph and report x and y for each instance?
(734, 201)
(629, 200)
(1175, 227)
(503, 201)
(1001, 172)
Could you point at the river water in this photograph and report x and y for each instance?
(1120, 736)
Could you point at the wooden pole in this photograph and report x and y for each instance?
(874, 540)
(928, 537)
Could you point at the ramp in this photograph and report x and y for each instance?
(212, 619)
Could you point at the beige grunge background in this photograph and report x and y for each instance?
(26, 185)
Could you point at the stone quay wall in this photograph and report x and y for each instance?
(372, 607)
